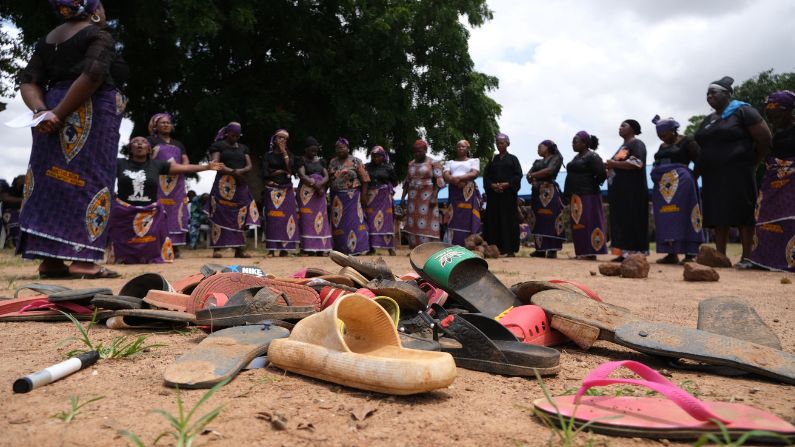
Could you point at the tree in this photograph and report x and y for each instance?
(11, 51)
(753, 91)
(374, 72)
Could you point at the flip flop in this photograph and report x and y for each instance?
(731, 317)
(464, 276)
(167, 300)
(678, 416)
(585, 321)
(116, 302)
(80, 296)
(351, 273)
(407, 293)
(40, 288)
(188, 283)
(222, 355)
(227, 283)
(370, 269)
(368, 355)
(141, 284)
(39, 309)
(102, 273)
(149, 319)
(483, 344)
(250, 306)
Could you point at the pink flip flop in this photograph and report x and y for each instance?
(678, 416)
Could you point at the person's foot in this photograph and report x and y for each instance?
(53, 268)
(283, 253)
(177, 254)
(617, 259)
(392, 252)
(587, 257)
(538, 254)
(511, 255)
(371, 252)
(241, 253)
(670, 258)
(90, 270)
(688, 258)
(552, 254)
(744, 264)
(217, 254)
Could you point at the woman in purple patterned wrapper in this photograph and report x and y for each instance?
(464, 195)
(546, 205)
(278, 196)
(584, 175)
(231, 209)
(171, 191)
(773, 245)
(71, 83)
(139, 232)
(313, 206)
(677, 211)
(380, 209)
(349, 185)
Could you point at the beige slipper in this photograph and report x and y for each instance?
(367, 356)
(356, 277)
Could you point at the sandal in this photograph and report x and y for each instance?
(102, 273)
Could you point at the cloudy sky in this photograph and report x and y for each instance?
(569, 65)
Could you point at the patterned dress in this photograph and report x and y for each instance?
(423, 182)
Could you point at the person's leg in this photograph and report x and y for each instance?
(52, 266)
(91, 269)
(746, 239)
(721, 238)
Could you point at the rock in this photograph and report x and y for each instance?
(698, 272)
(479, 251)
(635, 266)
(610, 269)
(711, 257)
(593, 273)
(786, 281)
(491, 251)
(472, 241)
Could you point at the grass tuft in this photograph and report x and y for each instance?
(120, 347)
(75, 406)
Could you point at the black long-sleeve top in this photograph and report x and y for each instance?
(584, 174)
(503, 169)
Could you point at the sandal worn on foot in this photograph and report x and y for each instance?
(102, 273)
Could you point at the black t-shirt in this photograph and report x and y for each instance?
(683, 152)
(727, 140)
(91, 51)
(315, 166)
(273, 161)
(555, 162)
(633, 152)
(232, 157)
(784, 143)
(137, 182)
(584, 174)
(381, 175)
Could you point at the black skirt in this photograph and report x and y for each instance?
(728, 193)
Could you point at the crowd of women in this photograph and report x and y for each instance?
(70, 212)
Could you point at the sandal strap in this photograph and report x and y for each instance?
(474, 342)
(44, 304)
(652, 380)
(591, 294)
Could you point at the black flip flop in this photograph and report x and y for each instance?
(252, 305)
(79, 296)
(116, 302)
(43, 289)
(486, 345)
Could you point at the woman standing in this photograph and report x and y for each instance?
(171, 191)
(501, 179)
(628, 194)
(677, 212)
(11, 197)
(585, 173)
(733, 140)
(380, 213)
(423, 182)
(71, 80)
(349, 182)
(315, 228)
(278, 196)
(465, 200)
(138, 224)
(546, 203)
(231, 208)
(774, 239)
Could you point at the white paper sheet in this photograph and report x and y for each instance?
(26, 120)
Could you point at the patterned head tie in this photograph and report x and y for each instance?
(342, 141)
(154, 119)
(278, 133)
(231, 128)
(664, 125)
(781, 100)
(379, 150)
(74, 9)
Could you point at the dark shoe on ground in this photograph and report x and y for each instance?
(283, 254)
(102, 273)
(511, 255)
(177, 254)
(688, 258)
(392, 252)
(587, 257)
(617, 259)
(241, 253)
(670, 258)
(745, 264)
(217, 254)
(552, 254)
(538, 254)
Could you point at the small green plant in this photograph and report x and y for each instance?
(120, 347)
(183, 430)
(725, 438)
(75, 406)
(566, 429)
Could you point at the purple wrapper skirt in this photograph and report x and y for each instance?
(774, 237)
(281, 219)
(315, 227)
(546, 206)
(231, 210)
(381, 217)
(171, 193)
(465, 206)
(139, 234)
(588, 224)
(348, 225)
(677, 211)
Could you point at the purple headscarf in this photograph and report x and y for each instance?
(548, 143)
(665, 125)
(502, 136)
(584, 136)
(72, 9)
(379, 150)
(282, 132)
(154, 119)
(782, 99)
(343, 141)
(232, 127)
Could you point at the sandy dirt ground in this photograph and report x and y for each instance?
(478, 409)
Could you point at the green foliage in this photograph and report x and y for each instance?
(374, 72)
(753, 91)
(727, 439)
(120, 347)
(75, 406)
(183, 430)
